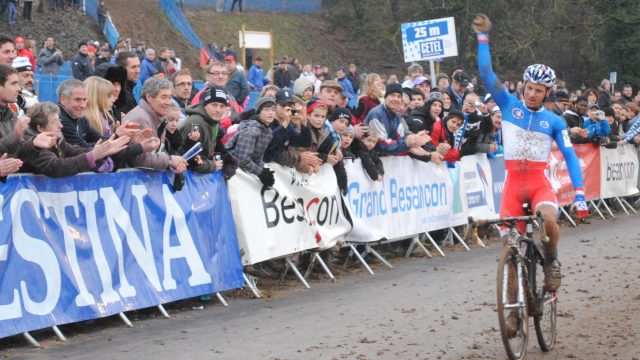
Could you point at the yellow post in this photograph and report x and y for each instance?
(243, 49)
(271, 49)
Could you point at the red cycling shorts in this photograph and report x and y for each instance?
(525, 184)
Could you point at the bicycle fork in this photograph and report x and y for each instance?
(520, 296)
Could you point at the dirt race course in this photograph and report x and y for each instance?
(441, 308)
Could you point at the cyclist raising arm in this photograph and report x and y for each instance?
(528, 133)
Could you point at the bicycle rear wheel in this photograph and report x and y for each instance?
(514, 338)
(546, 302)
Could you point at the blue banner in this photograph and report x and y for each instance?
(94, 245)
(498, 176)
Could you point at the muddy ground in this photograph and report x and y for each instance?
(440, 308)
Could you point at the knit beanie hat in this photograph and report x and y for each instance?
(314, 103)
(349, 130)
(262, 102)
(214, 94)
(435, 96)
(340, 113)
(393, 88)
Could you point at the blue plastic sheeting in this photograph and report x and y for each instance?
(65, 69)
(94, 245)
(253, 96)
(91, 8)
(292, 6)
(180, 22)
(109, 31)
(198, 84)
(46, 85)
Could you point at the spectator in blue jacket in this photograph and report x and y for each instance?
(346, 84)
(81, 64)
(256, 78)
(597, 124)
(394, 136)
(148, 67)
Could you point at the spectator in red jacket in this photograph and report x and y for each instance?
(443, 135)
(373, 89)
(22, 50)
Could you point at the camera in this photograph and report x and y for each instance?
(295, 112)
(599, 140)
(195, 127)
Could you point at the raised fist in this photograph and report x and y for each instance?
(481, 23)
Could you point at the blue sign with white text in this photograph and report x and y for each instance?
(427, 31)
(498, 177)
(94, 245)
(429, 40)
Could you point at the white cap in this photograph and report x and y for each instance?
(22, 63)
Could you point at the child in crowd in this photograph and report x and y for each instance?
(364, 150)
(251, 141)
(324, 139)
(339, 122)
(173, 139)
(443, 136)
(345, 145)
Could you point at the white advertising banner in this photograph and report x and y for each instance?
(618, 171)
(413, 197)
(477, 185)
(300, 212)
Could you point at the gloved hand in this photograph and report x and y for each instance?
(106, 166)
(580, 204)
(266, 177)
(229, 165)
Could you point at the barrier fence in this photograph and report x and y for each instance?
(293, 6)
(83, 248)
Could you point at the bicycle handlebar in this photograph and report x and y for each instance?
(504, 220)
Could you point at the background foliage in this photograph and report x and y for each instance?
(582, 40)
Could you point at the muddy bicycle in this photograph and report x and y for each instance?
(522, 295)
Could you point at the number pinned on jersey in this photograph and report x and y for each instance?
(565, 138)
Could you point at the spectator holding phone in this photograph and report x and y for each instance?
(203, 125)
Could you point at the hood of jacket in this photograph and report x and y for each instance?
(199, 110)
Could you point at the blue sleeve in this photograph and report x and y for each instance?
(588, 124)
(632, 132)
(137, 91)
(252, 76)
(561, 136)
(605, 128)
(491, 81)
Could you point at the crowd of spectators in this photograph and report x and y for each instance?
(134, 107)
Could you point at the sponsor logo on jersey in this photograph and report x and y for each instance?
(517, 113)
(544, 124)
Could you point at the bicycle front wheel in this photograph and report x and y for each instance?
(512, 315)
(544, 318)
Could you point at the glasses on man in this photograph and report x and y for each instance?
(218, 73)
(184, 84)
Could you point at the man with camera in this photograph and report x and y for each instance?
(597, 125)
(287, 134)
